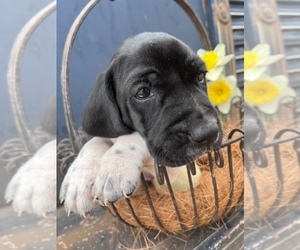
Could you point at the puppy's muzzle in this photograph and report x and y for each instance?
(181, 148)
(208, 135)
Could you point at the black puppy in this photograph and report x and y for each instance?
(155, 85)
(151, 98)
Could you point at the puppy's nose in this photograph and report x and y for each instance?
(206, 134)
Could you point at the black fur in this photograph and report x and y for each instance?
(177, 121)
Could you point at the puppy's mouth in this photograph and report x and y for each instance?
(175, 161)
(185, 155)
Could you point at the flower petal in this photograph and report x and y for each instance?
(225, 60)
(201, 52)
(231, 81)
(220, 50)
(269, 108)
(281, 81)
(254, 74)
(263, 50)
(286, 95)
(269, 60)
(224, 108)
(214, 74)
(236, 92)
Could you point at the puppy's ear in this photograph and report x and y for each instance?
(102, 115)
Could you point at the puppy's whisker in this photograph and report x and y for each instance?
(165, 155)
(158, 153)
(186, 160)
(176, 161)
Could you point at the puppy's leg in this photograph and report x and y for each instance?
(77, 184)
(121, 167)
(33, 188)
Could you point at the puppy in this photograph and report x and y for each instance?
(33, 187)
(153, 99)
(255, 133)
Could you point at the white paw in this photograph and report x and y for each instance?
(77, 185)
(120, 170)
(33, 188)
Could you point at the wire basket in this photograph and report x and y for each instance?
(272, 176)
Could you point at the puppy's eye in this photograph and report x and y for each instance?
(201, 77)
(143, 93)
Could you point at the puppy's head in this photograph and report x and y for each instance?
(155, 84)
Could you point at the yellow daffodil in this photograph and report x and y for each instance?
(267, 92)
(222, 91)
(214, 61)
(257, 60)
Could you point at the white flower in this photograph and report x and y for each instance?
(214, 61)
(257, 60)
(267, 92)
(222, 91)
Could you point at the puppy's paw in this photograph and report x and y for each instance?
(77, 184)
(33, 188)
(118, 177)
(120, 170)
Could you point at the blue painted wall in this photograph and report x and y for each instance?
(103, 31)
(38, 71)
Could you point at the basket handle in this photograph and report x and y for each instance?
(197, 23)
(72, 130)
(25, 130)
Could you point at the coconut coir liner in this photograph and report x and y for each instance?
(204, 196)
